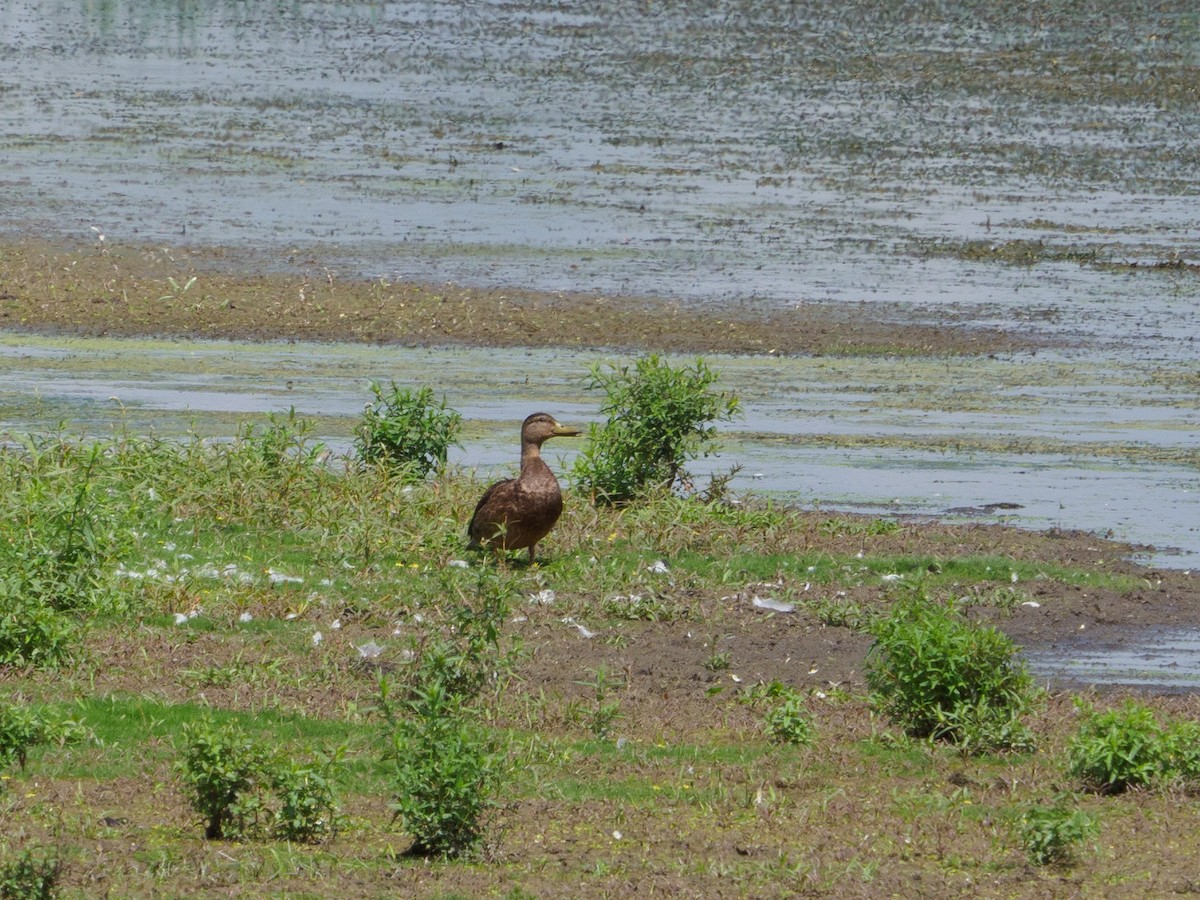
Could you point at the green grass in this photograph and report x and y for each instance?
(687, 747)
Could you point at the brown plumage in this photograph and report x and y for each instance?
(518, 512)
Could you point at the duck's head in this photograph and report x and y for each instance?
(542, 426)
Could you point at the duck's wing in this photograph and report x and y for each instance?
(490, 509)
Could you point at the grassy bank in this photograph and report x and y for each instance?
(259, 584)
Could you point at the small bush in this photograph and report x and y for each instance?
(32, 632)
(20, 729)
(659, 418)
(32, 875)
(308, 809)
(64, 531)
(445, 771)
(1050, 834)
(284, 441)
(407, 430)
(235, 783)
(446, 767)
(224, 768)
(1119, 749)
(940, 676)
(606, 711)
(1181, 745)
(787, 721)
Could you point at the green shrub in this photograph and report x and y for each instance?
(32, 875)
(407, 430)
(234, 783)
(787, 720)
(1181, 745)
(446, 769)
(940, 676)
(659, 418)
(64, 531)
(285, 440)
(20, 729)
(32, 633)
(1050, 834)
(224, 769)
(1118, 749)
(606, 712)
(306, 794)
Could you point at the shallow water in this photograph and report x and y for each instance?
(1162, 658)
(1117, 489)
(733, 153)
(743, 153)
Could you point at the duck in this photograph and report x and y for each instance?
(516, 513)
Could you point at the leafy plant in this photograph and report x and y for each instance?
(605, 712)
(308, 809)
(229, 774)
(1117, 749)
(31, 631)
(718, 660)
(63, 535)
(408, 430)
(177, 289)
(639, 607)
(284, 438)
(1181, 745)
(467, 654)
(32, 875)
(225, 769)
(20, 729)
(787, 721)
(1050, 834)
(940, 676)
(659, 418)
(446, 769)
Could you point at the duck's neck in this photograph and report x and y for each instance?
(531, 456)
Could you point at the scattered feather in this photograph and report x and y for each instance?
(772, 604)
(369, 650)
(584, 632)
(278, 577)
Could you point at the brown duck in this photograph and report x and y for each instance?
(518, 512)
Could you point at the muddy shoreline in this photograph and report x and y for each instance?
(143, 292)
(157, 292)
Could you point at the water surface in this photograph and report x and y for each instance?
(735, 154)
